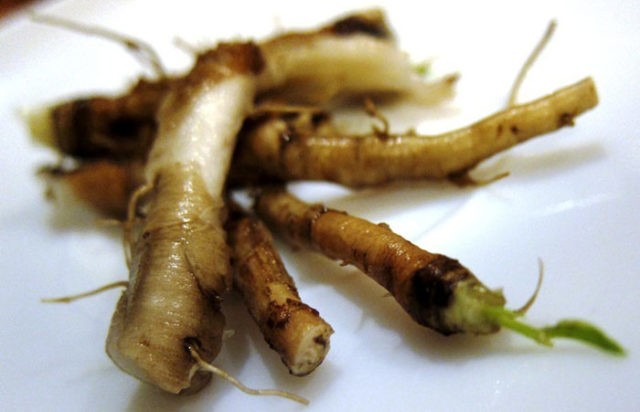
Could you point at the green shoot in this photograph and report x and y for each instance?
(422, 69)
(570, 329)
(586, 332)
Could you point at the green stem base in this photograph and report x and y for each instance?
(569, 328)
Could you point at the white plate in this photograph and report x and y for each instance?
(572, 199)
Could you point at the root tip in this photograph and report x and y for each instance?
(206, 366)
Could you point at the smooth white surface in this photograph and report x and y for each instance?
(572, 199)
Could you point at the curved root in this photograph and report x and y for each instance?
(513, 95)
(93, 292)
(140, 49)
(206, 366)
(522, 310)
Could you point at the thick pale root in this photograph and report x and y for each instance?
(180, 261)
(148, 334)
(353, 57)
(177, 277)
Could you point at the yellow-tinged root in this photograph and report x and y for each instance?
(202, 365)
(93, 292)
(38, 120)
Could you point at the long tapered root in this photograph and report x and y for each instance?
(292, 148)
(208, 367)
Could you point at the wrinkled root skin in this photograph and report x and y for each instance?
(176, 282)
(291, 328)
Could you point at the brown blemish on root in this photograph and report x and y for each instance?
(565, 119)
(320, 340)
(279, 316)
(433, 287)
(371, 23)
